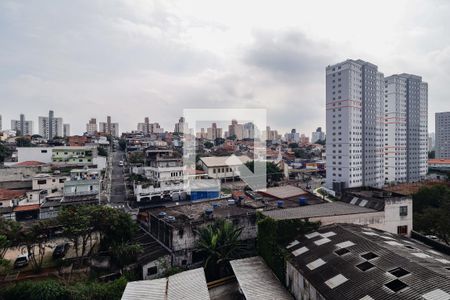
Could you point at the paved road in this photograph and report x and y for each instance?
(117, 179)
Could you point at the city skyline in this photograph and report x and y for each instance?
(280, 68)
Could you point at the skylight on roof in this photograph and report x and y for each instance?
(399, 272)
(345, 244)
(322, 241)
(367, 297)
(393, 243)
(328, 234)
(300, 251)
(354, 200)
(342, 251)
(312, 235)
(421, 255)
(365, 266)
(292, 244)
(363, 203)
(369, 255)
(315, 264)
(370, 233)
(396, 285)
(442, 260)
(437, 294)
(387, 237)
(336, 281)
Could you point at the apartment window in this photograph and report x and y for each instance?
(403, 211)
(403, 230)
(43, 151)
(42, 181)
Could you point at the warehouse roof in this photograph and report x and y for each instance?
(317, 210)
(257, 281)
(283, 192)
(356, 262)
(188, 285)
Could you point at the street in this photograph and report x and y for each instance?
(118, 194)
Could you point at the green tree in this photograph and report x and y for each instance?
(5, 152)
(219, 141)
(23, 142)
(122, 144)
(34, 239)
(302, 153)
(293, 145)
(35, 290)
(136, 157)
(432, 211)
(274, 173)
(124, 254)
(220, 242)
(208, 145)
(232, 137)
(102, 151)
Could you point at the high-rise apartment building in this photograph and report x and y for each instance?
(376, 127)
(22, 126)
(180, 127)
(66, 130)
(442, 136)
(406, 128)
(354, 97)
(50, 126)
(109, 128)
(91, 126)
(213, 132)
(145, 127)
(318, 135)
(236, 129)
(1, 122)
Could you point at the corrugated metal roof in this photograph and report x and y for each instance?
(188, 285)
(425, 272)
(257, 281)
(221, 161)
(317, 210)
(145, 289)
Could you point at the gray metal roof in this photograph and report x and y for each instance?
(355, 262)
(188, 285)
(317, 210)
(257, 281)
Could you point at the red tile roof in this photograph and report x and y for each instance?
(26, 207)
(29, 163)
(10, 194)
(438, 161)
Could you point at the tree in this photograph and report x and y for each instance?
(220, 242)
(232, 137)
(219, 141)
(208, 145)
(5, 152)
(302, 153)
(293, 145)
(78, 226)
(102, 151)
(136, 157)
(34, 239)
(432, 211)
(274, 173)
(23, 142)
(125, 253)
(122, 144)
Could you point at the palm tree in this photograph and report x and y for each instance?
(220, 243)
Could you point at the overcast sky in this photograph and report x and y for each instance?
(131, 59)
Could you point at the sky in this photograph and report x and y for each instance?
(131, 59)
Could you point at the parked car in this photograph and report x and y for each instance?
(121, 163)
(61, 250)
(21, 261)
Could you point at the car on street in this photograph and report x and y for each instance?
(121, 163)
(21, 261)
(61, 250)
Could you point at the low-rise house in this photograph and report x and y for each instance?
(346, 261)
(8, 200)
(223, 167)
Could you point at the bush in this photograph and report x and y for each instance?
(35, 290)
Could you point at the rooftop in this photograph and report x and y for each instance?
(6, 195)
(356, 262)
(188, 285)
(317, 210)
(219, 161)
(283, 192)
(257, 281)
(439, 161)
(370, 197)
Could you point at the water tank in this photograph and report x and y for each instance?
(208, 211)
(162, 214)
(280, 203)
(302, 201)
(171, 219)
(231, 202)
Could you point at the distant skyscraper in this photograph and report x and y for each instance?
(180, 127)
(109, 128)
(66, 130)
(22, 126)
(318, 135)
(1, 122)
(49, 127)
(213, 132)
(442, 137)
(91, 126)
(145, 127)
(236, 129)
(406, 128)
(354, 113)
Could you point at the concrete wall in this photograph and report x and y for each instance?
(42, 154)
(299, 286)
